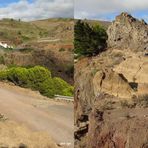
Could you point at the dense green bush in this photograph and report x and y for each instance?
(70, 70)
(37, 78)
(2, 60)
(89, 40)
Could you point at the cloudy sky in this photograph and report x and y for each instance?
(36, 9)
(108, 9)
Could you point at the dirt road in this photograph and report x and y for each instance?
(38, 114)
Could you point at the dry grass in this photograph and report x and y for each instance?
(14, 135)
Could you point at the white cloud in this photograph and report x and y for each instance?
(39, 9)
(102, 8)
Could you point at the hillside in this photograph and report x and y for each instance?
(45, 42)
(11, 29)
(111, 89)
(105, 24)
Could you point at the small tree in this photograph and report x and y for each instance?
(89, 40)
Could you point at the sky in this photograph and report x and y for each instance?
(108, 9)
(28, 10)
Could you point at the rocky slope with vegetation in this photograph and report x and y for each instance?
(111, 95)
(47, 43)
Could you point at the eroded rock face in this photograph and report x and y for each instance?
(135, 69)
(117, 130)
(112, 83)
(128, 32)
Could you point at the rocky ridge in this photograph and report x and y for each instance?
(127, 32)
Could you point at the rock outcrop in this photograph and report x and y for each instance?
(135, 69)
(128, 32)
(112, 83)
(111, 95)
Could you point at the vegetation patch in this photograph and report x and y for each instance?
(26, 50)
(89, 40)
(62, 49)
(2, 60)
(37, 78)
(69, 70)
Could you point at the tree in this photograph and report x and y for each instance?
(89, 40)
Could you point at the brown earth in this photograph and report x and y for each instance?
(38, 113)
(16, 135)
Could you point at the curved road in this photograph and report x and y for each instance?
(38, 114)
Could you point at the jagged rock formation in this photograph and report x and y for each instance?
(128, 32)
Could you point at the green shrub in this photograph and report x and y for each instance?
(68, 91)
(62, 49)
(62, 87)
(37, 78)
(89, 40)
(26, 50)
(70, 70)
(2, 60)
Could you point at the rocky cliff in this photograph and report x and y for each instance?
(128, 32)
(111, 95)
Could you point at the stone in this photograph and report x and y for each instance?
(127, 32)
(112, 83)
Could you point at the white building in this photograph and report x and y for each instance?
(5, 45)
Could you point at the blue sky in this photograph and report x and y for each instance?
(108, 9)
(4, 3)
(90, 9)
(111, 16)
(28, 10)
